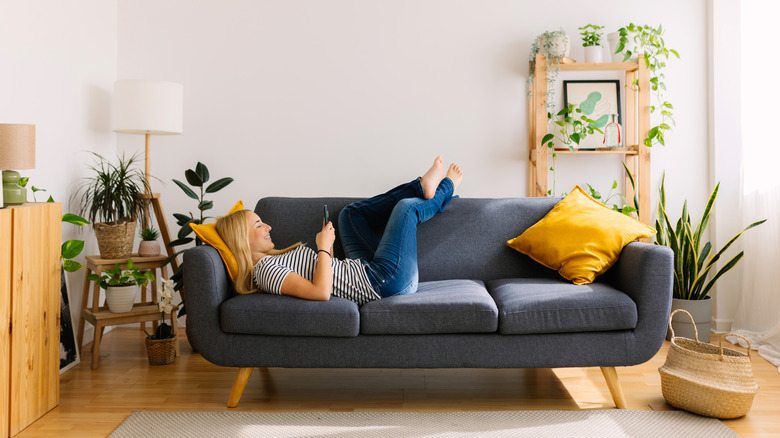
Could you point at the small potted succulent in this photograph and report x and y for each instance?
(149, 247)
(591, 41)
(121, 285)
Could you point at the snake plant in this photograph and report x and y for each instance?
(692, 262)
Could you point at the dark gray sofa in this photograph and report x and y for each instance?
(480, 303)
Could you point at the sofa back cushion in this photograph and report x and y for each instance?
(466, 241)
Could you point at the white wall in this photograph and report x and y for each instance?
(57, 68)
(346, 97)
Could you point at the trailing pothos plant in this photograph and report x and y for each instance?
(649, 41)
(569, 126)
(692, 262)
(196, 189)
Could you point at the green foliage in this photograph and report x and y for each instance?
(626, 209)
(692, 262)
(117, 276)
(150, 234)
(197, 179)
(570, 126)
(591, 35)
(650, 42)
(72, 248)
(116, 193)
(547, 45)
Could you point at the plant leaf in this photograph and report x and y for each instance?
(188, 191)
(71, 266)
(71, 248)
(74, 219)
(193, 178)
(203, 172)
(222, 182)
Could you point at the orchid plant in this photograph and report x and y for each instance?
(164, 330)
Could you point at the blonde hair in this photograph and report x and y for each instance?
(233, 229)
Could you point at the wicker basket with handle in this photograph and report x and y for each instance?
(707, 379)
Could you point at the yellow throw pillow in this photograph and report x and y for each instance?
(580, 237)
(208, 234)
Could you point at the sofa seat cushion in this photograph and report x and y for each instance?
(528, 305)
(447, 306)
(265, 314)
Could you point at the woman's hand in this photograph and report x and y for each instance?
(326, 237)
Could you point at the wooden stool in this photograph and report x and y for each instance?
(100, 317)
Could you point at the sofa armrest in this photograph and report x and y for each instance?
(206, 286)
(645, 272)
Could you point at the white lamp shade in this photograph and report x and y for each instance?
(147, 107)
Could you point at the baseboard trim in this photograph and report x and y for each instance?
(721, 325)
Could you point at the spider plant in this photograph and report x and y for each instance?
(115, 193)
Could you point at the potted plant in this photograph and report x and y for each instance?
(693, 263)
(161, 346)
(121, 285)
(555, 46)
(113, 199)
(149, 247)
(591, 41)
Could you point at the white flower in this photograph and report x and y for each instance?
(165, 308)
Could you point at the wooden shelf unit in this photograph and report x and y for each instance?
(101, 317)
(636, 124)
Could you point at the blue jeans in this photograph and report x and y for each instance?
(390, 259)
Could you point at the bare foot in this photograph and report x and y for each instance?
(432, 178)
(455, 173)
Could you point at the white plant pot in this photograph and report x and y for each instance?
(148, 248)
(593, 53)
(614, 39)
(120, 299)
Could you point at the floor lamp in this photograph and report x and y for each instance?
(149, 107)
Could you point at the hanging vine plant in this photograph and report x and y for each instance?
(649, 41)
(555, 46)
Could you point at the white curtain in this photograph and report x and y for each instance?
(758, 316)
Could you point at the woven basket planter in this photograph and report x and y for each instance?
(115, 241)
(161, 351)
(706, 379)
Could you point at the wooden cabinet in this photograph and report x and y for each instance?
(30, 239)
(636, 124)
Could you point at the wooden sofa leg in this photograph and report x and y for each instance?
(238, 386)
(610, 374)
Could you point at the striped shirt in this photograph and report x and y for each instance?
(349, 276)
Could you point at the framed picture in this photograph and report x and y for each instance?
(597, 99)
(69, 353)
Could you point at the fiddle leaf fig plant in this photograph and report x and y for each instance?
(650, 43)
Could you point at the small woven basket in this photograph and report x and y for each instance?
(115, 241)
(161, 351)
(705, 379)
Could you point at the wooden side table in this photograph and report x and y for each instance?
(100, 317)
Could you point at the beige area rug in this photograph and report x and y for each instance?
(589, 423)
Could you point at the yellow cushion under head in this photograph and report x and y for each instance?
(580, 237)
(208, 234)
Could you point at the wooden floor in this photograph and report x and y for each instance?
(94, 403)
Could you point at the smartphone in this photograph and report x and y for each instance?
(325, 213)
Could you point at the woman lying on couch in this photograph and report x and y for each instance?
(376, 267)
